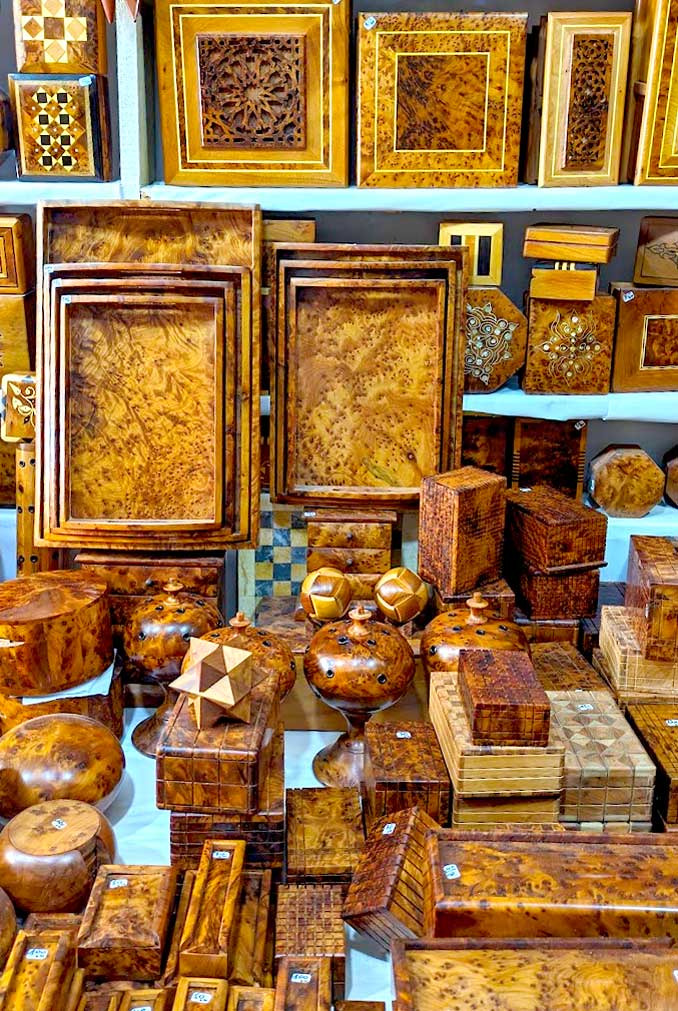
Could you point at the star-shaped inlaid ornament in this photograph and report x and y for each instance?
(218, 681)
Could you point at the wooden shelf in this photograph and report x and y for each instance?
(511, 401)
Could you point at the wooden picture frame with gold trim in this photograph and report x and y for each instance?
(485, 242)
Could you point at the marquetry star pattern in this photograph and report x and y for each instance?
(218, 681)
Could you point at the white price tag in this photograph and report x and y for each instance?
(300, 977)
(389, 829)
(675, 975)
(672, 723)
(141, 1007)
(403, 735)
(451, 872)
(628, 296)
(37, 954)
(221, 855)
(585, 707)
(200, 997)
(117, 883)
(58, 823)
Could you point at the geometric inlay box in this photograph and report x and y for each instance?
(254, 94)
(59, 36)
(440, 99)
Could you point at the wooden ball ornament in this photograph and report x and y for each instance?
(325, 594)
(50, 854)
(58, 757)
(270, 655)
(401, 594)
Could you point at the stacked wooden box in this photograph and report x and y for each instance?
(356, 542)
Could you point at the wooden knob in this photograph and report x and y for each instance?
(360, 622)
(239, 621)
(476, 605)
(172, 587)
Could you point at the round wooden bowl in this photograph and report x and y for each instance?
(50, 854)
(58, 757)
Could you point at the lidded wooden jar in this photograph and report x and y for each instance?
(470, 627)
(270, 655)
(358, 666)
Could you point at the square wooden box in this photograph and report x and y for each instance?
(652, 595)
(68, 37)
(504, 702)
(551, 453)
(571, 243)
(324, 835)
(646, 350)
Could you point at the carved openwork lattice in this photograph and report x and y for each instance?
(571, 346)
(252, 91)
(590, 83)
(489, 341)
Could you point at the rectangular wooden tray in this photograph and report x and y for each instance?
(209, 936)
(38, 972)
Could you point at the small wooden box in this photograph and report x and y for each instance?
(404, 767)
(652, 595)
(249, 964)
(498, 594)
(385, 898)
(251, 998)
(496, 339)
(486, 442)
(564, 281)
(456, 507)
(209, 935)
(221, 768)
(491, 885)
(303, 984)
(549, 531)
(566, 596)
(549, 453)
(126, 922)
(657, 252)
(308, 923)
(657, 727)
(38, 972)
(485, 243)
(504, 702)
(17, 254)
(645, 351)
(144, 1000)
(182, 899)
(560, 667)
(575, 243)
(358, 544)
(565, 630)
(193, 992)
(324, 835)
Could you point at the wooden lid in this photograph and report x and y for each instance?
(55, 827)
(47, 595)
(586, 235)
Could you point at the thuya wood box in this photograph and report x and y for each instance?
(645, 358)
(609, 595)
(209, 935)
(480, 770)
(38, 971)
(567, 596)
(308, 922)
(652, 595)
(571, 243)
(504, 702)
(251, 998)
(65, 38)
(182, 898)
(533, 974)
(455, 508)
(657, 726)
(485, 243)
(194, 992)
(144, 1000)
(651, 121)
(505, 884)
(17, 254)
(304, 983)
(126, 922)
(564, 630)
(549, 453)
(496, 339)
(385, 897)
(498, 594)
(488, 813)
(624, 480)
(324, 835)
(221, 768)
(560, 667)
(609, 776)
(250, 965)
(569, 345)
(549, 531)
(404, 767)
(486, 442)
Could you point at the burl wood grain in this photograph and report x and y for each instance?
(58, 757)
(303, 984)
(404, 767)
(137, 1000)
(65, 38)
(469, 135)
(126, 922)
(271, 654)
(486, 442)
(360, 1005)
(193, 991)
(670, 465)
(324, 834)
(625, 481)
(646, 358)
(455, 508)
(209, 934)
(250, 998)
(652, 595)
(50, 854)
(38, 972)
(8, 926)
(657, 727)
(551, 453)
(59, 632)
(560, 667)
(657, 252)
(454, 630)
(17, 270)
(496, 339)
(569, 348)
(651, 107)
(250, 964)
(503, 699)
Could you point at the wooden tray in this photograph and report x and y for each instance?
(210, 931)
(194, 992)
(38, 972)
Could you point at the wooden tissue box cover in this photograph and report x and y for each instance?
(652, 593)
(609, 776)
(250, 964)
(560, 667)
(657, 727)
(324, 834)
(221, 768)
(629, 671)
(404, 767)
(573, 243)
(385, 898)
(464, 504)
(480, 770)
(126, 922)
(504, 702)
(193, 992)
(209, 934)
(550, 532)
(505, 884)
(38, 972)
(554, 973)
(303, 984)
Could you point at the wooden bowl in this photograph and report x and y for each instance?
(50, 854)
(58, 757)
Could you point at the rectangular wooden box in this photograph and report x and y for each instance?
(385, 897)
(657, 252)
(507, 974)
(251, 998)
(221, 768)
(404, 767)
(629, 671)
(609, 776)
(324, 835)
(651, 113)
(249, 964)
(549, 453)
(657, 727)
(578, 243)
(498, 594)
(193, 992)
(486, 442)
(564, 281)
(487, 885)
(209, 935)
(303, 984)
(569, 346)
(308, 923)
(465, 503)
(504, 702)
(485, 771)
(144, 1000)
(560, 667)
(38, 972)
(566, 595)
(652, 595)
(488, 813)
(126, 922)
(549, 531)
(564, 630)
(646, 359)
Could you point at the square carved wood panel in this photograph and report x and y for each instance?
(254, 94)
(440, 99)
(60, 36)
(583, 100)
(646, 356)
(369, 360)
(61, 126)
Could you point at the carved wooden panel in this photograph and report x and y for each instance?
(254, 94)
(569, 347)
(61, 126)
(647, 356)
(440, 99)
(583, 99)
(485, 241)
(654, 108)
(549, 452)
(657, 253)
(496, 339)
(59, 36)
(355, 325)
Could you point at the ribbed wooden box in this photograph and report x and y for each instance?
(609, 776)
(404, 767)
(208, 939)
(629, 670)
(657, 727)
(560, 667)
(308, 923)
(505, 884)
(221, 768)
(386, 896)
(503, 700)
(456, 508)
(324, 835)
(652, 595)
